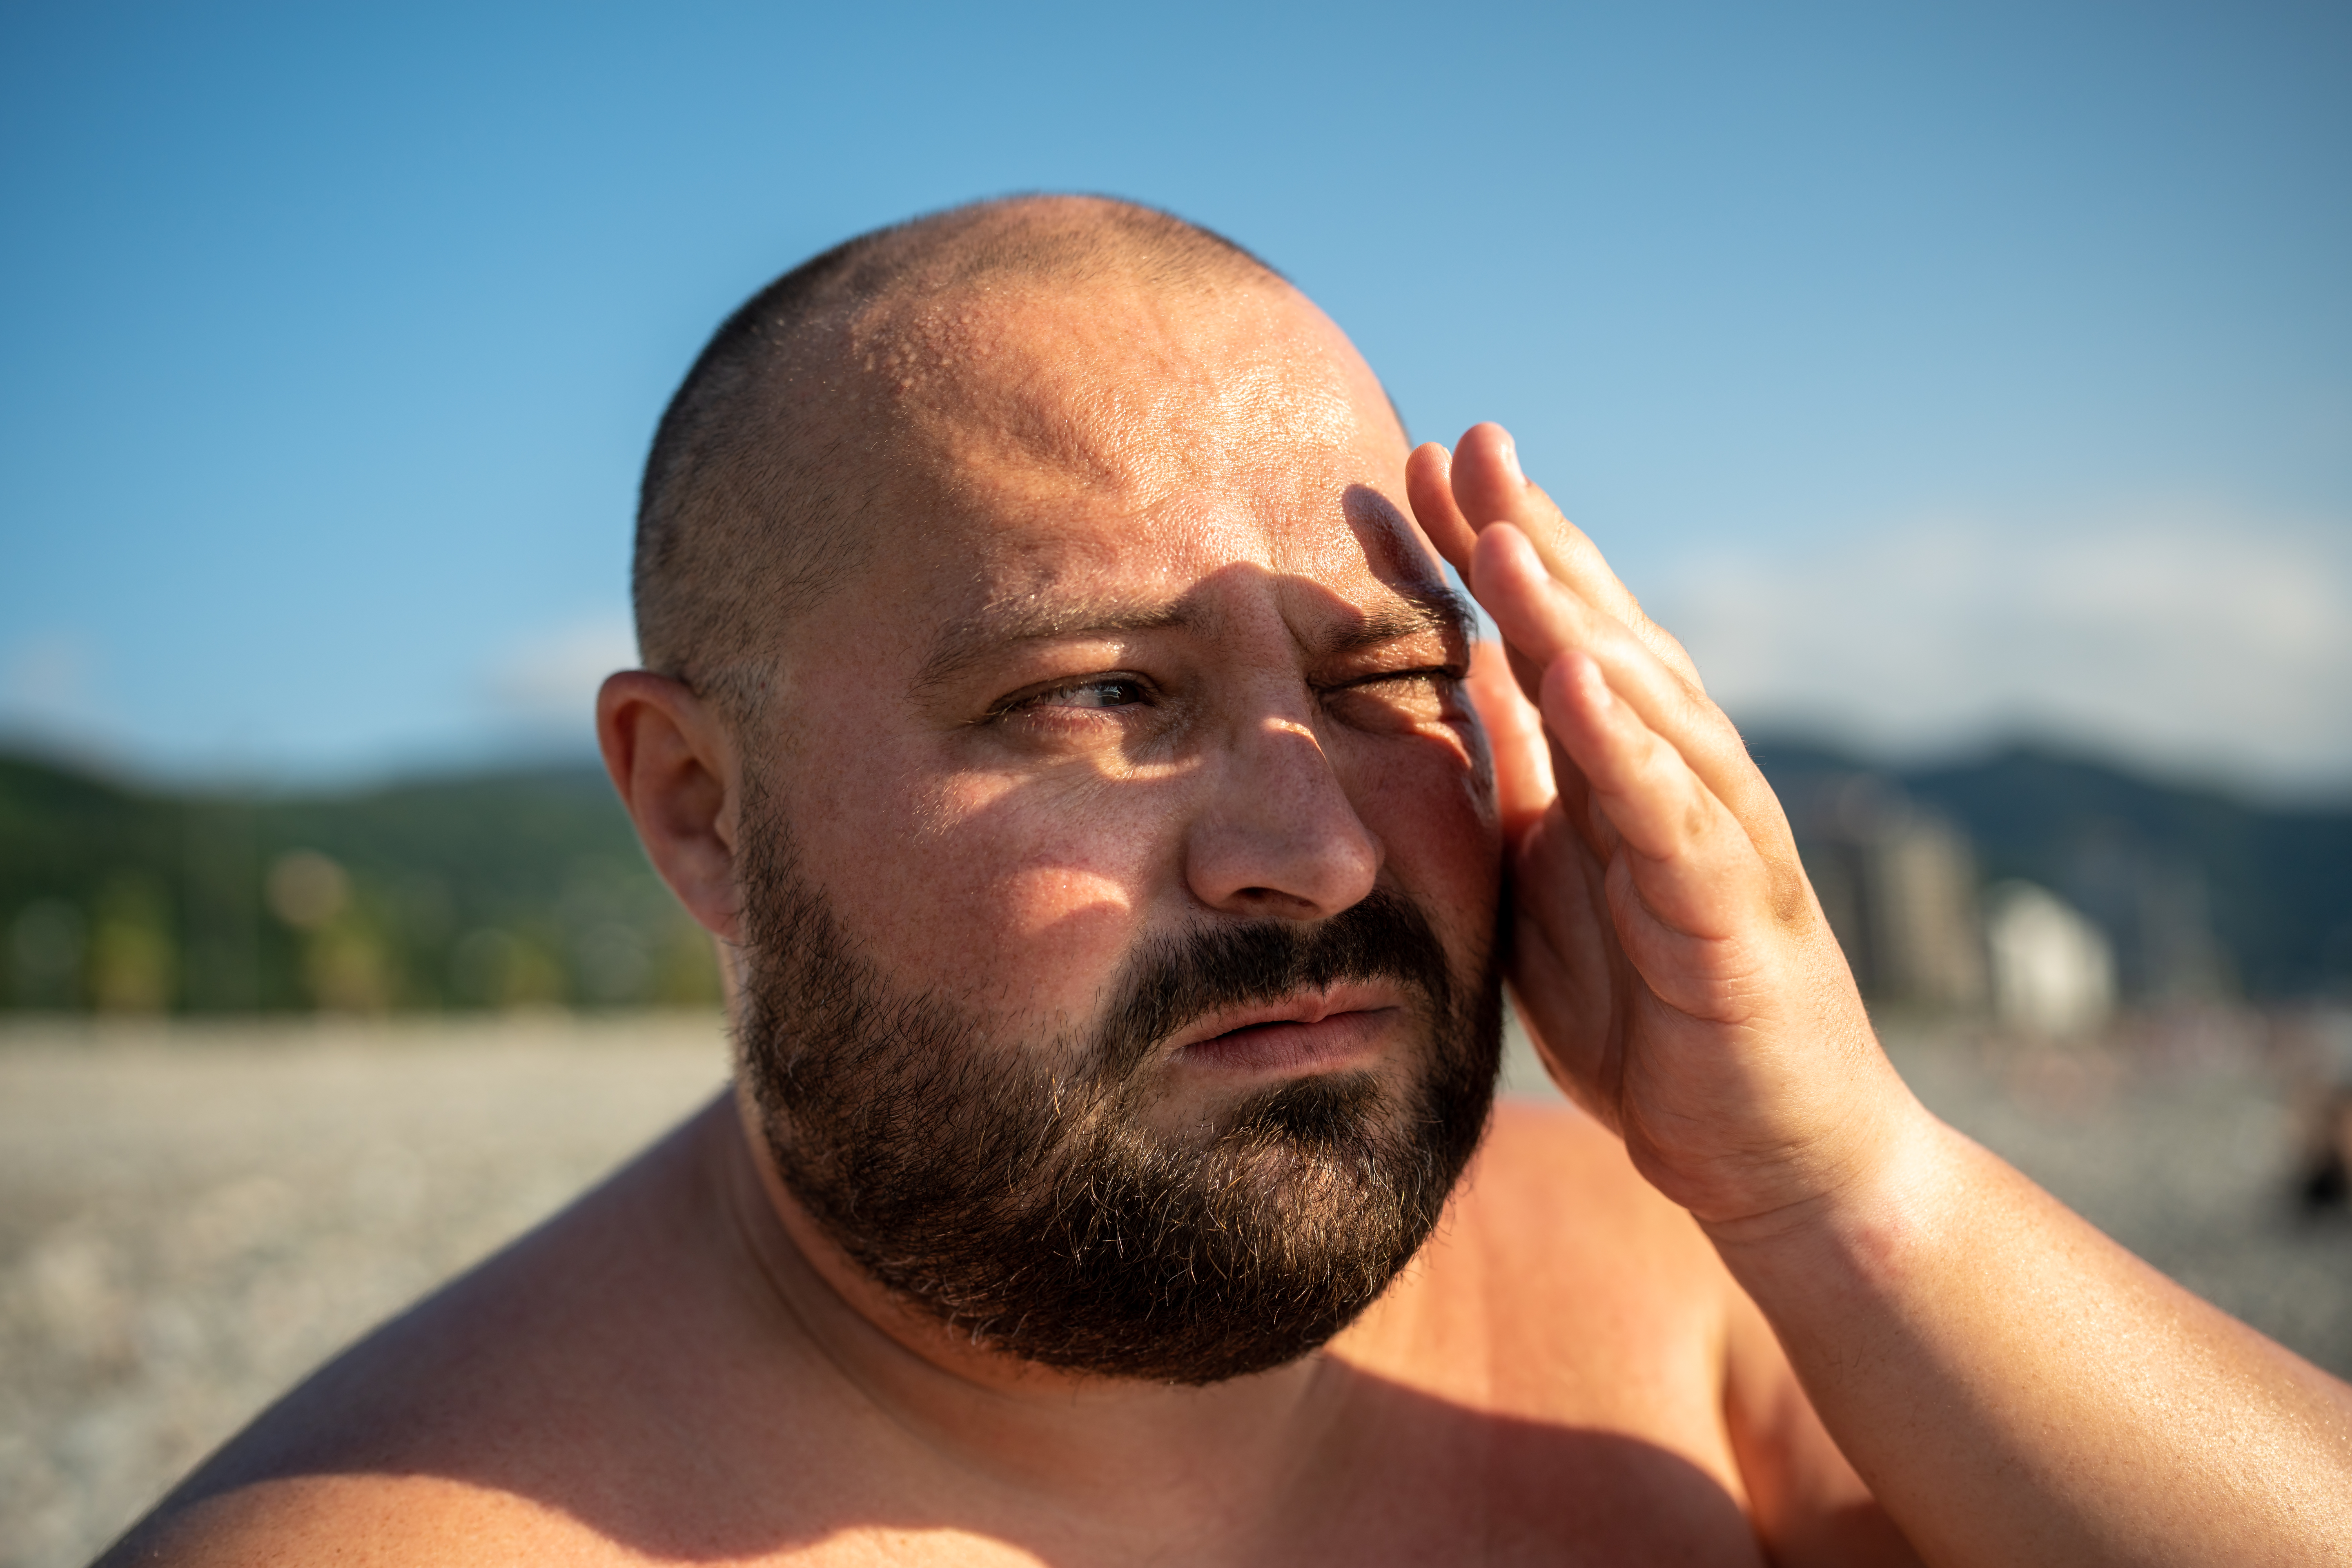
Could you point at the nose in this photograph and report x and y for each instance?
(1279, 838)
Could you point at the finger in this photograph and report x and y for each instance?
(1430, 491)
(1544, 620)
(1523, 775)
(1694, 866)
(1489, 487)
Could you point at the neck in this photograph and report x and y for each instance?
(1227, 1451)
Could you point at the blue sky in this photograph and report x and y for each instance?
(1940, 372)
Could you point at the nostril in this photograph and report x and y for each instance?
(1276, 903)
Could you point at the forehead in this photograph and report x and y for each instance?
(1057, 442)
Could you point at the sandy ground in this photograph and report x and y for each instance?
(192, 1218)
(190, 1222)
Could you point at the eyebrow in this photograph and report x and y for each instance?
(1426, 607)
(965, 643)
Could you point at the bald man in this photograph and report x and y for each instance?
(1055, 709)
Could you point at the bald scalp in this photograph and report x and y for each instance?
(769, 465)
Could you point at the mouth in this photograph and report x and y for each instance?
(1305, 1032)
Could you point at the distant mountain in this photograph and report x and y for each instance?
(2178, 876)
(528, 886)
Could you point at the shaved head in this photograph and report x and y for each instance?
(1044, 560)
(829, 388)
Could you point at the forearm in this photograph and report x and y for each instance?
(2017, 1389)
(2014, 1387)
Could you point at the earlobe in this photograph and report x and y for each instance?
(676, 766)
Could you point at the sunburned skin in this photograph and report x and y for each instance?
(1493, 1407)
(1152, 632)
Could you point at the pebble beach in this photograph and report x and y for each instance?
(193, 1216)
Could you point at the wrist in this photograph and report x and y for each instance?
(1857, 1214)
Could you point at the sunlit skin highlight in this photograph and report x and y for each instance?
(1114, 705)
(1149, 632)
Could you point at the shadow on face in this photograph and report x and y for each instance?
(1005, 811)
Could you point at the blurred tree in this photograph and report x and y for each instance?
(516, 889)
(133, 962)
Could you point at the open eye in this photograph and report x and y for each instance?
(1096, 692)
(1108, 694)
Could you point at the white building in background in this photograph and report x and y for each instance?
(2053, 973)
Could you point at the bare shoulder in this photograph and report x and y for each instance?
(363, 1520)
(487, 1422)
(1561, 1262)
(1552, 1171)
(1607, 1275)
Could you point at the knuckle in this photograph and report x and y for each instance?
(1791, 898)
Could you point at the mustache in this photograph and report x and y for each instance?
(1177, 980)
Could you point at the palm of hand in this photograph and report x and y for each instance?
(1669, 958)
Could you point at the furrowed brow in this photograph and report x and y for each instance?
(1426, 607)
(993, 632)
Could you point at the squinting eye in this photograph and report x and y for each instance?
(1093, 694)
(1418, 695)
(1418, 683)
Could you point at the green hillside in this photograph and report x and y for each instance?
(525, 887)
(497, 890)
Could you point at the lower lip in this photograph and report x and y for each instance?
(1336, 1041)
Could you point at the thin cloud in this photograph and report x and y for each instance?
(53, 699)
(2194, 640)
(550, 681)
(50, 678)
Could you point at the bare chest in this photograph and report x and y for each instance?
(1456, 1440)
(1603, 1442)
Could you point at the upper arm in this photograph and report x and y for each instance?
(1809, 1504)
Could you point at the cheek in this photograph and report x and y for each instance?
(1024, 895)
(1018, 895)
(1430, 800)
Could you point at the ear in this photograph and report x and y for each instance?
(677, 770)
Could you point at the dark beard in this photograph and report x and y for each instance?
(1014, 1194)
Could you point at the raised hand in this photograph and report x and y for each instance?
(1671, 958)
(2013, 1387)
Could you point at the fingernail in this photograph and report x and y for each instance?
(1511, 462)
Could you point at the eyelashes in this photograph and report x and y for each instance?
(1110, 692)
(1436, 674)
(1114, 693)
(1094, 693)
